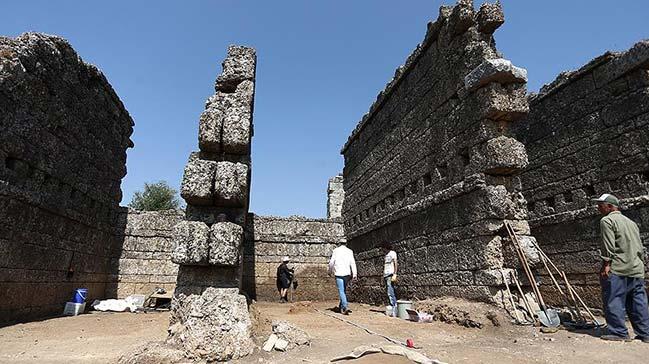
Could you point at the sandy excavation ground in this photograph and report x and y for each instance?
(104, 337)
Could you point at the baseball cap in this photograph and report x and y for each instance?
(608, 198)
(285, 259)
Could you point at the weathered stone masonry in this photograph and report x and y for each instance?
(63, 141)
(308, 243)
(143, 261)
(429, 167)
(587, 133)
(209, 318)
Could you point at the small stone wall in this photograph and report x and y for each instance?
(63, 140)
(308, 242)
(587, 134)
(143, 262)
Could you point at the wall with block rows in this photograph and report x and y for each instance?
(63, 140)
(429, 168)
(308, 242)
(143, 262)
(587, 133)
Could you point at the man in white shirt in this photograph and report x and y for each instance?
(343, 266)
(390, 274)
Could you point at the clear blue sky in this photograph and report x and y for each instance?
(320, 66)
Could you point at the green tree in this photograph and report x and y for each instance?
(155, 197)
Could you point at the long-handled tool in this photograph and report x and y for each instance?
(548, 317)
(583, 304)
(572, 293)
(517, 315)
(573, 301)
(528, 307)
(572, 306)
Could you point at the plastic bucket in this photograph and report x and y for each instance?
(80, 295)
(402, 306)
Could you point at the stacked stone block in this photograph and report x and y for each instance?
(307, 242)
(335, 197)
(587, 133)
(431, 167)
(141, 263)
(209, 318)
(63, 140)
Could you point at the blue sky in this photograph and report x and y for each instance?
(320, 66)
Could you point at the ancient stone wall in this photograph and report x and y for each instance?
(587, 133)
(144, 260)
(63, 140)
(429, 167)
(307, 242)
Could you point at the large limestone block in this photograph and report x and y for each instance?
(226, 123)
(494, 70)
(231, 184)
(238, 66)
(237, 125)
(198, 180)
(501, 156)
(190, 243)
(225, 243)
(212, 326)
(210, 127)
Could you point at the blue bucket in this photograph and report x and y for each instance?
(80, 295)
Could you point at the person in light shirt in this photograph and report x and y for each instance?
(342, 266)
(390, 274)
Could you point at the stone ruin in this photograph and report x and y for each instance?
(63, 138)
(451, 149)
(431, 167)
(587, 133)
(209, 317)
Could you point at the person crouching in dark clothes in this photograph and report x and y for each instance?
(284, 278)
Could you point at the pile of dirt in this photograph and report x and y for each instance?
(461, 312)
(301, 307)
(155, 352)
(261, 324)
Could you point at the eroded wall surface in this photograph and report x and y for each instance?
(63, 140)
(429, 168)
(143, 261)
(587, 133)
(307, 242)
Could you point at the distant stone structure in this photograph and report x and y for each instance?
(142, 262)
(209, 317)
(335, 197)
(430, 168)
(63, 140)
(307, 242)
(587, 133)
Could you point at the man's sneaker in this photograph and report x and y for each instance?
(344, 312)
(615, 338)
(644, 339)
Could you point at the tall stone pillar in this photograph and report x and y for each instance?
(335, 197)
(209, 318)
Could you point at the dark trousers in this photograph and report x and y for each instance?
(625, 295)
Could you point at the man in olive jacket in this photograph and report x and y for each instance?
(622, 274)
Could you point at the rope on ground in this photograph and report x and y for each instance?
(365, 328)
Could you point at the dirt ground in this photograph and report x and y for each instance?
(98, 337)
(103, 337)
